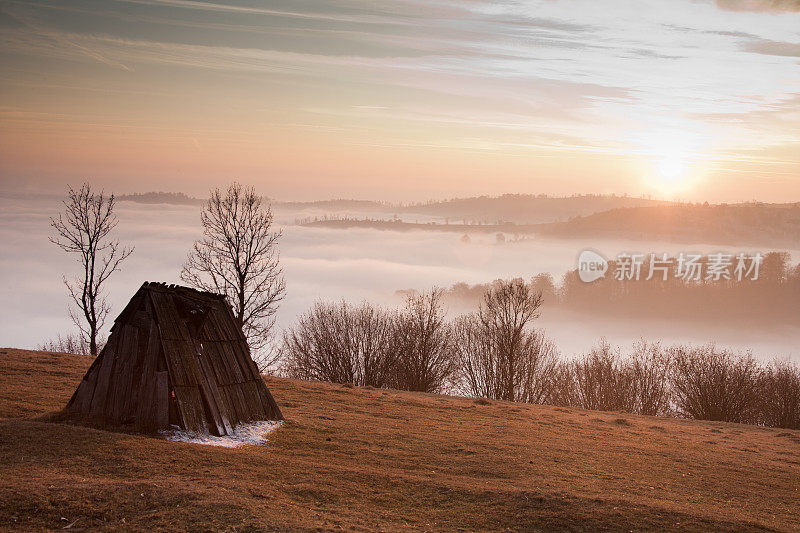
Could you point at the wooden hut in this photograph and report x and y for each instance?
(175, 357)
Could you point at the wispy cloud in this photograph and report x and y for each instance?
(772, 6)
(597, 77)
(59, 39)
(774, 48)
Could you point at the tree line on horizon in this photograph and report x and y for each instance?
(773, 298)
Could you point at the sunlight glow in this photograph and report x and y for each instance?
(671, 174)
(671, 168)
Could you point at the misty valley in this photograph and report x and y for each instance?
(382, 266)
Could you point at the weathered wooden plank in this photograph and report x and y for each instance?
(241, 414)
(228, 365)
(242, 353)
(175, 334)
(225, 323)
(147, 402)
(230, 405)
(212, 329)
(179, 323)
(190, 406)
(228, 360)
(174, 359)
(137, 383)
(146, 406)
(212, 353)
(98, 405)
(219, 421)
(78, 402)
(209, 330)
(272, 411)
(228, 318)
(168, 321)
(240, 371)
(191, 361)
(129, 376)
(256, 370)
(254, 400)
(168, 331)
(81, 399)
(120, 384)
(129, 311)
(161, 400)
(141, 318)
(241, 402)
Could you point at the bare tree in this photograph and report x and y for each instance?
(84, 229)
(238, 257)
(423, 335)
(498, 354)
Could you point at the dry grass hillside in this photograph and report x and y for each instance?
(365, 459)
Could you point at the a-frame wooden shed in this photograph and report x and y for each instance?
(176, 356)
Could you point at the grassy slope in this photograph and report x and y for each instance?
(389, 460)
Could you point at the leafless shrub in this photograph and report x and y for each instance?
(472, 351)
(650, 366)
(70, 343)
(779, 395)
(424, 360)
(84, 229)
(342, 343)
(498, 355)
(712, 384)
(604, 381)
(494, 353)
(562, 389)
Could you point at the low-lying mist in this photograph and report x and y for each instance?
(330, 264)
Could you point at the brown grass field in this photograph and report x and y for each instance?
(371, 460)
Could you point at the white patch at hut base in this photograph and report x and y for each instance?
(253, 433)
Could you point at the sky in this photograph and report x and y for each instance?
(403, 100)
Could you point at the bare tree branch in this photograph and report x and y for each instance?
(499, 356)
(238, 257)
(424, 339)
(83, 229)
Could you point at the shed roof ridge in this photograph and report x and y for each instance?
(173, 287)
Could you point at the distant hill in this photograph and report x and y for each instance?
(765, 225)
(525, 208)
(177, 198)
(521, 209)
(399, 225)
(739, 224)
(337, 205)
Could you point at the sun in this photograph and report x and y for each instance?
(671, 168)
(672, 162)
(671, 174)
